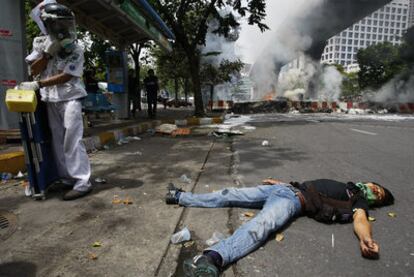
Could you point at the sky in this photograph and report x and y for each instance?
(252, 41)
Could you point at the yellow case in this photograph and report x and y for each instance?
(18, 100)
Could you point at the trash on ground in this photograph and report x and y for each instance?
(185, 179)
(370, 218)
(127, 201)
(181, 132)
(226, 132)
(215, 238)
(265, 143)
(189, 243)
(166, 129)
(137, 153)
(392, 214)
(333, 241)
(247, 127)
(97, 244)
(116, 200)
(100, 180)
(151, 131)
(92, 256)
(19, 175)
(181, 236)
(133, 138)
(5, 176)
(123, 141)
(279, 237)
(246, 216)
(106, 147)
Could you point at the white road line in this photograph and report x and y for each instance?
(363, 132)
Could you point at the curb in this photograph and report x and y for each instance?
(14, 162)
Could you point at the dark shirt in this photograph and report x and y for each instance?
(91, 85)
(339, 191)
(151, 86)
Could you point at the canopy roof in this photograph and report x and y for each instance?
(121, 21)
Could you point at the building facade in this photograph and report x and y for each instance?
(411, 14)
(386, 24)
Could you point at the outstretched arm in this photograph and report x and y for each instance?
(362, 227)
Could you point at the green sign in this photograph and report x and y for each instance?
(132, 10)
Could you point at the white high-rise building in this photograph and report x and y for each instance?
(386, 24)
(411, 16)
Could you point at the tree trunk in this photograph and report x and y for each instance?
(194, 61)
(137, 76)
(176, 87)
(211, 97)
(186, 89)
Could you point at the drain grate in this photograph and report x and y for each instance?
(8, 224)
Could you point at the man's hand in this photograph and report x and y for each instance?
(271, 181)
(29, 86)
(369, 248)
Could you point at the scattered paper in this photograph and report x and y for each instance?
(370, 218)
(265, 143)
(392, 214)
(116, 200)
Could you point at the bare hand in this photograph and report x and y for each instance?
(369, 249)
(272, 181)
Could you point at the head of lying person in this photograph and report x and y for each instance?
(375, 194)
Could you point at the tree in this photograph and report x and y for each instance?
(32, 30)
(213, 75)
(189, 22)
(378, 64)
(135, 51)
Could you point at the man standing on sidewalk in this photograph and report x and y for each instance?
(151, 87)
(58, 59)
(324, 200)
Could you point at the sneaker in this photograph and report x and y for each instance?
(200, 266)
(171, 197)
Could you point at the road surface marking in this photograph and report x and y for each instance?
(363, 132)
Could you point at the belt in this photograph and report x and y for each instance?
(301, 200)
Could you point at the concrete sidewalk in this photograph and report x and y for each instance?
(55, 238)
(104, 133)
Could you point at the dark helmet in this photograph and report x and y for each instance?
(59, 21)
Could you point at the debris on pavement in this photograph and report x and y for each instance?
(265, 143)
(151, 131)
(133, 138)
(333, 241)
(100, 180)
(189, 243)
(279, 237)
(137, 153)
(5, 176)
(166, 129)
(372, 219)
(181, 236)
(106, 147)
(116, 200)
(226, 133)
(185, 179)
(123, 141)
(19, 175)
(215, 238)
(127, 201)
(248, 214)
(181, 132)
(97, 244)
(92, 256)
(392, 214)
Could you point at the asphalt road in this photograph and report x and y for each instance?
(351, 148)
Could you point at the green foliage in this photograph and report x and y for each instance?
(379, 64)
(350, 85)
(214, 75)
(32, 30)
(189, 21)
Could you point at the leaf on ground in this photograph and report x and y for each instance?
(392, 214)
(279, 237)
(93, 256)
(97, 244)
(370, 218)
(189, 244)
(248, 214)
(128, 201)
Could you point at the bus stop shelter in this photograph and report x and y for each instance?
(122, 22)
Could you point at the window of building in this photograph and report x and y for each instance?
(356, 35)
(369, 21)
(349, 56)
(349, 41)
(392, 24)
(374, 36)
(337, 48)
(330, 56)
(375, 15)
(387, 24)
(363, 21)
(343, 56)
(399, 10)
(404, 18)
(374, 30)
(343, 41)
(386, 31)
(362, 35)
(343, 48)
(350, 34)
(397, 32)
(381, 16)
(379, 37)
(368, 29)
(388, 9)
(398, 17)
(387, 16)
(368, 36)
(349, 48)
(342, 62)
(356, 28)
(344, 33)
(380, 30)
(391, 31)
(385, 37)
(356, 42)
(398, 25)
(403, 25)
(393, 10)
(392, 17)
(375, 22)
(361, 42)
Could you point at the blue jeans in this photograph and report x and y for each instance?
(279, 204)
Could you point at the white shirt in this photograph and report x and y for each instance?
(71, 64)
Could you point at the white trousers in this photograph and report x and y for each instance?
(65, 120)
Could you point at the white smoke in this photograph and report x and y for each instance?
(397, 90)
(295, 82)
